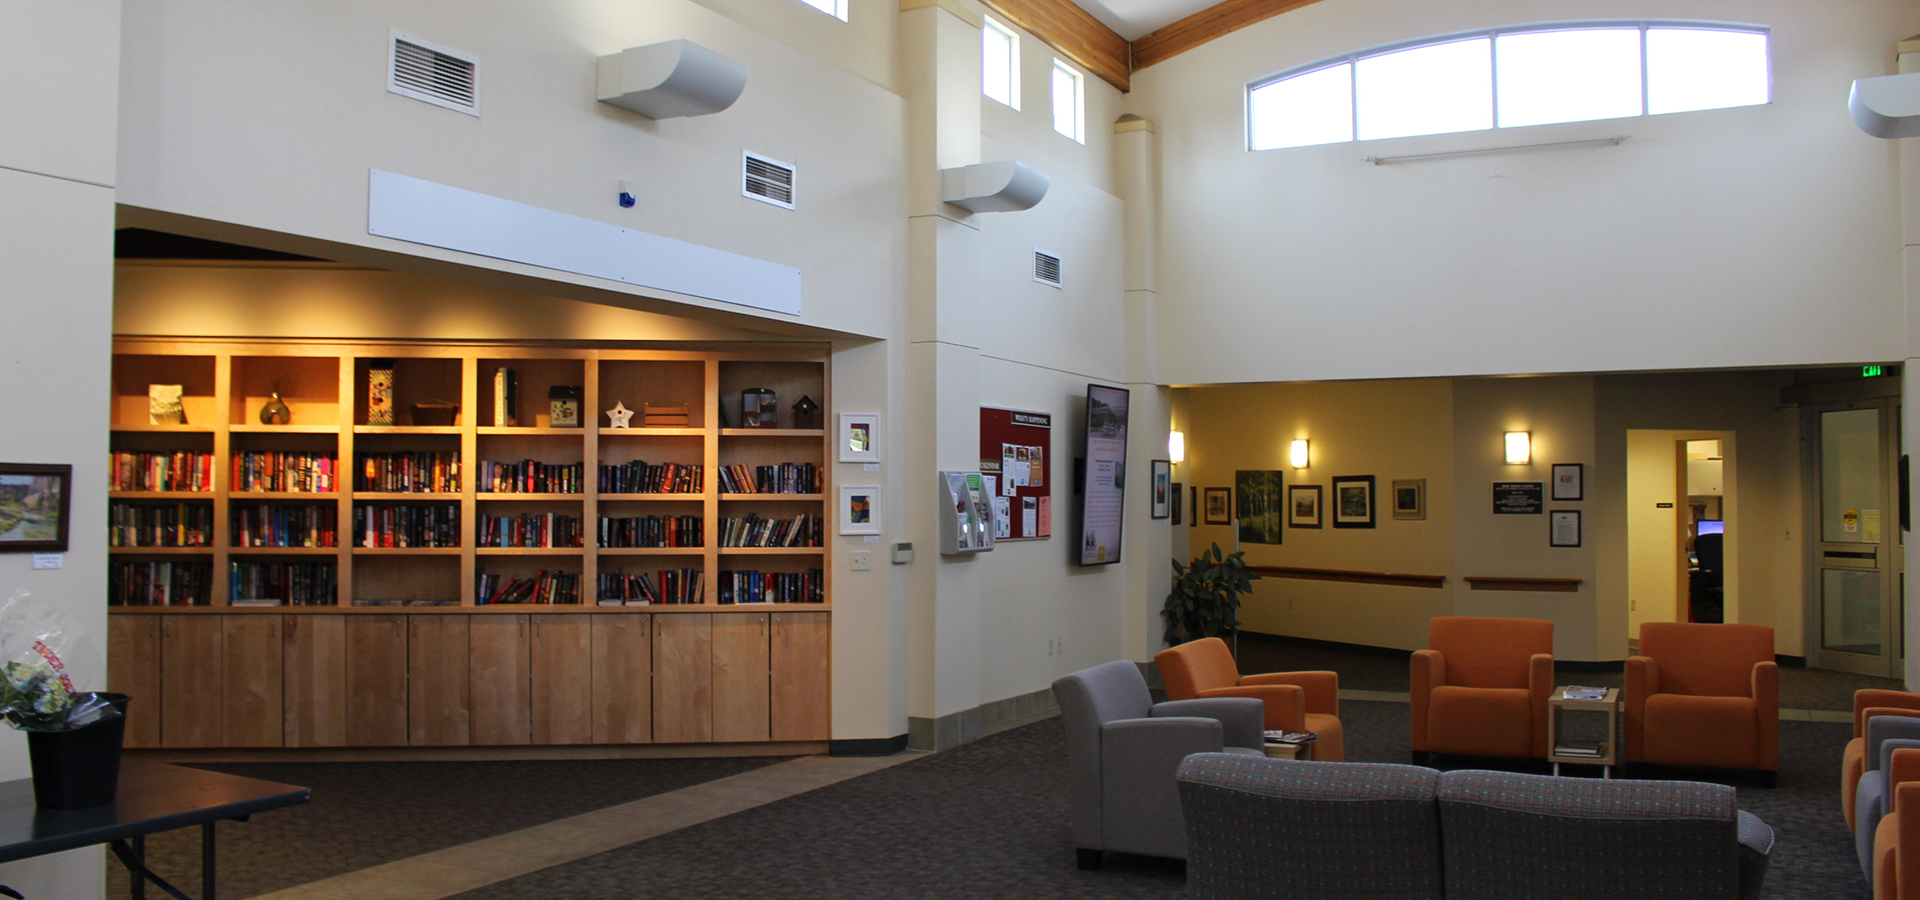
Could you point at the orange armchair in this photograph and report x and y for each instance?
(1295, 701)
(1704, 695)
(1896, 843)
(1868, 703)
(1480, 689)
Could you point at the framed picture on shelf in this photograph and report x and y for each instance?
(859, 509)
(1563, 528)
(1410, 498)
(1179, 500)
(1303, 506)
(1353, 501)
(1569, 481)
(33, 507)
(1219, 506)
(860, 437)
(1162, 489)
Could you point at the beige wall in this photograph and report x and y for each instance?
(1652, 547)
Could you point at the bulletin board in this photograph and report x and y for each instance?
(1016, 451)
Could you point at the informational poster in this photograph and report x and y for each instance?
(1519, 498)
(1015, 449)
(1104, 492)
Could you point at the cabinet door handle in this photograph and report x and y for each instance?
(292, 624)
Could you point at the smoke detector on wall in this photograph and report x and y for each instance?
(433, 74)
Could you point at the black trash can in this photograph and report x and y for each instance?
(79, 768)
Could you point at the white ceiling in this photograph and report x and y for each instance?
(1133, 18)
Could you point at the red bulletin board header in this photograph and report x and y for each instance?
(1016, 455)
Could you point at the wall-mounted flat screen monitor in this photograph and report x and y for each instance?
(1103, 486)
(1710, 526)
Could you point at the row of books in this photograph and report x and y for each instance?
(285, 526)
(652, 531)
(409, 473)
(672, 587)
(437, 525)
(545, 587)
(785, 478)
(529, 530)
(804, 530)
(749, 586)
(639, 477)
(176, 525)
(160, 584)
(266, 470)
(282, 584)
(531, 477)
(160, 472)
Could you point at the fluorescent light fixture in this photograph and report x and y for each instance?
(1297, 454)
(1519, 447)
(1177, 446)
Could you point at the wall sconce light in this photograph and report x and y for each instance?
(1519, 447)
(1297, 454)
(1177, 446)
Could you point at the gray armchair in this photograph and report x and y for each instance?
(1872, 800)
(1123, 750)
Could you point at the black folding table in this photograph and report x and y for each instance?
(153, 797)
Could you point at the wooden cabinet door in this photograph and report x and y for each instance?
(252, 698)
(376, 680)
(622, 678)
(192, 674)
(802, 676)
(740, 690)
(683, 678)
(501, 699)
(133, 668)
(437, 655)
(316, 680)
(563, 679)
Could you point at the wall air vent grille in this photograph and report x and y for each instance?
(1046, 268)
(434, 74)
(767, 180)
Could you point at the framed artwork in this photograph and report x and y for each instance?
(1219, 506)
(1179, 500)
(1563, 528)
(1569, 481)
(1303, 506)
(33, 507)
(859, 509)
(1410, 498)
(1261, 510)
(860, 437)
(1163, 489)
(1353, 501)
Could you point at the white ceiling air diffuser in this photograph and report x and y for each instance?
(1888, 106)
(766, 180)
(671, 79)
(433, 74)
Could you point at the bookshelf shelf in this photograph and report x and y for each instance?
(160, 495)
(283, 551)
(771, 497)
(176, 429)
(770, 551)
(283, 495)
(652, 551)
(407, 551)
(531, 431)
(283, 429)
(528, 551)
(409, 429)
(772, 432)
(410, 496)
(671, 498)
(160, 551)
(638, 431)
(529, 498)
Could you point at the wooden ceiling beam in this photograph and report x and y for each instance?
(1206, 25)
(1075, 33)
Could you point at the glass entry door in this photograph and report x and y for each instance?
(1857, 558)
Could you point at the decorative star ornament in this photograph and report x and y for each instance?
(619, 415)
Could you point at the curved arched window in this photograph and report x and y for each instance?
(1511, 77)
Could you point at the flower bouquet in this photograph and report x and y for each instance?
(73, 737)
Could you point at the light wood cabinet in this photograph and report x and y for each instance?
(683, 678)
(437, 680)
(740, 690)
(563, 679)
(192, 669)
(622, 679)
(801, 654)
(315, 713)
(133, 668)
(376, 681)
(499, 686)
(251, 699)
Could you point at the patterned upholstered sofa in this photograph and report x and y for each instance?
(1279, 830)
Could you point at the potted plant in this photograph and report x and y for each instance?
(73, 737)
(1205, 601)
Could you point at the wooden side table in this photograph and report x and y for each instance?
(1282, 750)
(1557, 703)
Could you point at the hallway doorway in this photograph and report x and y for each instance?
(1856, 563)
(1682, 511)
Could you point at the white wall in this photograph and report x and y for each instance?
(1770, 232)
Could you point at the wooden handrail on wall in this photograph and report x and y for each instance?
(1489, 583)
(1349, 575)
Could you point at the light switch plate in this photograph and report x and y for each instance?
(863, 560)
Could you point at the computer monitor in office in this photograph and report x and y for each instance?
(1710, 526)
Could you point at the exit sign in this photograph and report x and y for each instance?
(1870, 371)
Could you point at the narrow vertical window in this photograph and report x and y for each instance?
(1000, 63)
(1069, 100)
(834, 8)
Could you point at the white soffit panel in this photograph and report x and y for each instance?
(438, 215)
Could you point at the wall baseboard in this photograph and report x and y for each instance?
(868, 746)
(969, 725)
